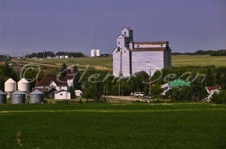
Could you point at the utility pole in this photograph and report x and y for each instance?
(150, 83)
(119, 88)
(148, 65)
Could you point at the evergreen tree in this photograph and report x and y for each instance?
(63, 70)
(76, 81)
(209, 81)
(72, 91)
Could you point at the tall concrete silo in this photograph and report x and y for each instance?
(97, 52)
(36, 97)
(10, 87)
(2, 97)
(18, 97)
(93, 53)
(23, 85)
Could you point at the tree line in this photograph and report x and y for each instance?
(97, 83)
(4, 58)
(46, 54)
(221, 52)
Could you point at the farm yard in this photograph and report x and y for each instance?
(171, 125)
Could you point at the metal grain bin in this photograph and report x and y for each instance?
(2, 97)
(36, 97)
(18, 97)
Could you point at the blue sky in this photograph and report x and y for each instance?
(69, 25)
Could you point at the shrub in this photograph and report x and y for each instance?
(219, 98)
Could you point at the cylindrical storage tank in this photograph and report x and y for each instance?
(2, 97)
(36, 97)
(98, 52)
(23, 85)
(18, 97)
(10, 85)
(93, 53)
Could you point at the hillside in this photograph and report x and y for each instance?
(105, 63)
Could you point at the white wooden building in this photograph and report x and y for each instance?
(130, 57)
(62, 95)
(51, 84)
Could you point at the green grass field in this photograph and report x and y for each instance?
(198, 60)
(82, 61)
(106, 62)
(67, 126)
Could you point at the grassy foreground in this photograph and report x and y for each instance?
(64, 126)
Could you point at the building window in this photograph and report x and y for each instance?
(137, 46)
(61, 94)
(125, 33)
(118, 42)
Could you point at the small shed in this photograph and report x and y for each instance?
(36, 97)
(2, 97)
(78, 93)
(62, 95)
(18, 97)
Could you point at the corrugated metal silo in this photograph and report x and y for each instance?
(23, 85)
(2, 97)
(98, 52)
(18, 97)
(36, 96)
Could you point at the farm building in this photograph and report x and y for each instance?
(211, 90)
(62, 95)
(174, 84)
(179, 83)
(51, 84)
(130, 57)
(78, 93)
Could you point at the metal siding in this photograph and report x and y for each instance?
(2, 98)
(18, 98)
(36, 98)
(125, 62)
(116, 63)
(142, 60)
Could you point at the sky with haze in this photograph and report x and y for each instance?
(28, 26)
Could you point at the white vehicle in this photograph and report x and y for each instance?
(138, 94)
